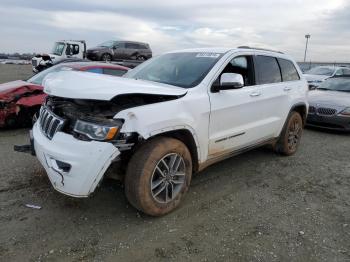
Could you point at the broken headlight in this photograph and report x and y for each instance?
(100, 132)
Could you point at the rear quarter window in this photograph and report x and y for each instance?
(288, 70)
(267, 70)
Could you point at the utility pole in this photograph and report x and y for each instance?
(307, 41)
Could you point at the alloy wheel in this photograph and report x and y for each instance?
(168, 178)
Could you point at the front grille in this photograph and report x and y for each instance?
(326, 111)
(49, 122)
(34, 62)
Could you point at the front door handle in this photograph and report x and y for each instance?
(255, 93)
(287, 88)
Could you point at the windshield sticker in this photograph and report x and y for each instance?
(208, 55)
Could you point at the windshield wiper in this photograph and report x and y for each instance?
(322, 88)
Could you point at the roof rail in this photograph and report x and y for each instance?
(258, 48)
(81, 41)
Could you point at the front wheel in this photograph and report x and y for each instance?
(289, 139)
(106, 57)
(158, 176)
(140, 58)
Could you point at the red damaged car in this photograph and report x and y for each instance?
(20, 100)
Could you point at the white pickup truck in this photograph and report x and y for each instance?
(168, 118)
(62, 50)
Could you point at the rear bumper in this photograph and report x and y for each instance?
(74, 167)
(339, 123)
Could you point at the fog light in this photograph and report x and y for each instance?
(60, 166)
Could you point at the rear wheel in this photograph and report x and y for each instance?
(289, 139)
(158, 176)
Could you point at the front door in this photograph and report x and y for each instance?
(235, 117)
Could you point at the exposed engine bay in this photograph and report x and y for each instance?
(97, 111)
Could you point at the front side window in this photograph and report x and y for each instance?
(242, 65)
(58, 48)
(108, 44)
(288, 70)
(185, 69)
(75, 49)
(267, 70)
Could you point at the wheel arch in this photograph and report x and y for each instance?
(106, 53)
(187, 137)
(302, 109)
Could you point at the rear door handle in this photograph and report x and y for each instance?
(287, 88)
(255, 93)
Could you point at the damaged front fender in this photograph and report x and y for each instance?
(73, 172)
(18, 104)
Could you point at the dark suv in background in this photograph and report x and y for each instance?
(120, 50)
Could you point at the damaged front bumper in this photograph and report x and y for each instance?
(74, 167)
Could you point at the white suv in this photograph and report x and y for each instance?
(168, 118)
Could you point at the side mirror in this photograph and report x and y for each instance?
(228, 81)
(115, 47)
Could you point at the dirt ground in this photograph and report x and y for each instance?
(14, 72)
(254, 207)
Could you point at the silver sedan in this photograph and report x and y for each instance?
(329, 104)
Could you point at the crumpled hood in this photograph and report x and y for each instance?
(315, 77)
(329, 98)
(7, 87)
(15, 89)
(84, 85)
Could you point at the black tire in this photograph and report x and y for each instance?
(11, 121)
(140, 58)
(106, 57)
(289, 139)
(140, 181)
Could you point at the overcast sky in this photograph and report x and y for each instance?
(33, 26)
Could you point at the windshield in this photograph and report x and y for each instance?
(336, 84)
(178, 69)
(109, 44)
(321, 71)
(38, 78)
(58, 48)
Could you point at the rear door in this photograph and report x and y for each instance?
(275, 94)
(119, 51)
(131, 49)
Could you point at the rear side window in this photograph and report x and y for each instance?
(113, 72)
(95, 70)
(289, 72)
(132, 46)
(267, 70)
